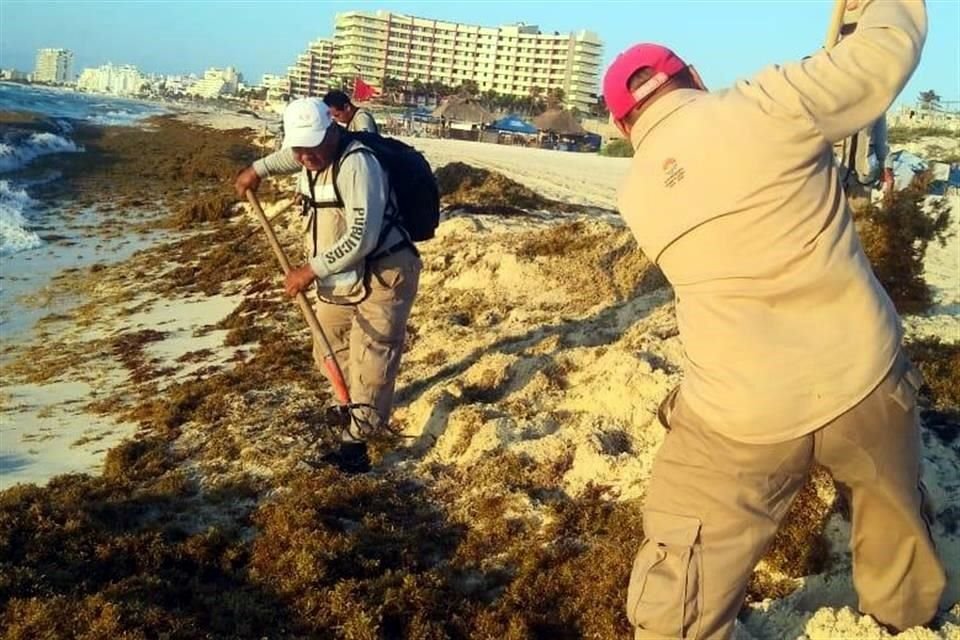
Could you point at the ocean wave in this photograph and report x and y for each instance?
(61, 103)
(117, 117)
(14, 232)
(19, 153)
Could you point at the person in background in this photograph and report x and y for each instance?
(865, 163)
(793, 348)
(348, 114)
(864, 157)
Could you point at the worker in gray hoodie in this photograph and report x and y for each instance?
(360, 260)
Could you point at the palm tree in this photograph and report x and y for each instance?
(418, 89)
(929, 99)
(555, 98)
(525, 104)
(488, 99)
(469, 88)
(393, 89)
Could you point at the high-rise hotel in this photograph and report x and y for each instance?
(54, 66)
(312, 73)
(511, 59)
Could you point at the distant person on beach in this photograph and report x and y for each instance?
(348, 114)
(360, 260)
(865, 163)
(793, 348)
(864, 157)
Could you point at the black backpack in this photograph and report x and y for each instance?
(411, 178)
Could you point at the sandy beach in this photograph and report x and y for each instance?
(538, 351)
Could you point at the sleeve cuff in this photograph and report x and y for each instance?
(260, 167)
(319, 269)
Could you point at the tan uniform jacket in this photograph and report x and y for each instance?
(736, 196)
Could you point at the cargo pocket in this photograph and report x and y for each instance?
(375, 364)
(664, 593)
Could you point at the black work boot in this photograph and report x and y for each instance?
(349, 457)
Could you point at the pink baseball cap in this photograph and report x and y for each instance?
(664, 62)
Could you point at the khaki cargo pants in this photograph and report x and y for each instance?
(367, 338)
(714, 505)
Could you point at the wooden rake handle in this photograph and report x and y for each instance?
(836, 23)
(319, 337)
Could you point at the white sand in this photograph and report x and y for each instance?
(931, 147)
(45, 432)
(224, 119)
(43, 428)
(942, 273)
(580, 178)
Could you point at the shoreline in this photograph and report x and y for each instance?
(94, 222)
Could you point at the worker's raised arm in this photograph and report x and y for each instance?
(846, 88)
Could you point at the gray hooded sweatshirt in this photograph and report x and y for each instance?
(341, 238)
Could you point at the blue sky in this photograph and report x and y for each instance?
(724, 39)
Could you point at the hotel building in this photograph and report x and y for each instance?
(312, 73)
(511, 60)
(54, 66)
(118, 80)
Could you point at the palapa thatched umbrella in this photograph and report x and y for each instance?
(460, 109)
(560, 122)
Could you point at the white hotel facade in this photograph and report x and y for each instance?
(123, 80)
(511, 60)
(54, 66)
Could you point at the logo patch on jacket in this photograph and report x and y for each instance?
(674, 172)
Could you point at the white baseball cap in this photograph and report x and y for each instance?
(305, 122)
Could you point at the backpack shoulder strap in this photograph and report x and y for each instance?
(336, 168)
(344, 156)
(390, 214)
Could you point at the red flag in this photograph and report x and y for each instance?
(362, 91)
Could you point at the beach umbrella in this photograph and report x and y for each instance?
(514, 124)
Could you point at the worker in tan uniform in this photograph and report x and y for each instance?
(360, 260)
(792, 347)
(348, 114)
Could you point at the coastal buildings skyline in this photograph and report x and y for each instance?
(54, 66)
(216, 82)
(380, 46)
(261, 38)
